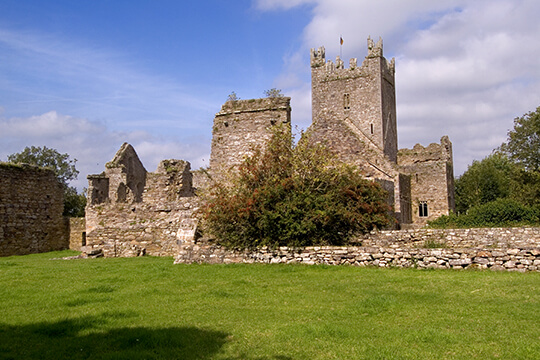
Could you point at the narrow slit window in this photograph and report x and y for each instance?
(371, 129)
(423, 209)
(346, 101)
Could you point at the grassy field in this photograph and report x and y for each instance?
(148, 308)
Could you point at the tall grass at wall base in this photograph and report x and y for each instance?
(148, 308)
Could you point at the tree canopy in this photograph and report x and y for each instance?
(61, 164)
(294, 196)
(523, 144)
(503, 188)
(484, 181)
(64, 169)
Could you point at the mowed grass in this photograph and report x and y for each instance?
(148, 308)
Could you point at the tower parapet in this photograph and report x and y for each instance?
(374, 50)
(318, 57)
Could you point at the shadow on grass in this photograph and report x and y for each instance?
(83, 338)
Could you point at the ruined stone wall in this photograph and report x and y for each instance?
(77, 233)
(513, 249)
(31, 206)
(150, 223)
(432, 179)
(243, 124)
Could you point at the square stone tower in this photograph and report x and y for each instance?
(242, 125)
(363, 96)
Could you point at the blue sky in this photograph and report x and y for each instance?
(85, 76)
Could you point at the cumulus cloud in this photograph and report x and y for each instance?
(463, 68)
(92, 143)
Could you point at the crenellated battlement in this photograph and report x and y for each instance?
(374, 50)
(432, 152)
(338, 70)
(317, 57)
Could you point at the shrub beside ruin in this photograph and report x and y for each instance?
(291, 196)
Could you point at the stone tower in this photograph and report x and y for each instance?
(432, 179)
(243, 124)
(362, 96)
(354, 114)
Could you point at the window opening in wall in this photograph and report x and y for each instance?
(423, 209)
(371, 129)
(83, 240)
(346, 101)
(416, 177)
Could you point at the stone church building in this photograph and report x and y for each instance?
(131, 211)
(354, 114)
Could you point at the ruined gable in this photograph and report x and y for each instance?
(143, 212)
(122, 181)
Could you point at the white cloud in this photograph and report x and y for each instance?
(281, 4)
(92, 143)
(93, 82)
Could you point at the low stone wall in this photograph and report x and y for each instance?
(31, 206)
(513, 249)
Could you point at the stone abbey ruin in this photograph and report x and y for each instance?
(132, 212)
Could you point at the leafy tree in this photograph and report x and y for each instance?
(273, 93)
(485, 181)
(292, 196)
(61, 164)
(523, 144)
(64, 169)
(74, 203)
(525, 186)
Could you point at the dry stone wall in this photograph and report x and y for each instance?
(513, 249)
(31, 206)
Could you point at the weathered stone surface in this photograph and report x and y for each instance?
(143, 213)
(31, 206)
(241, 125)
(77, 233)
(466, 249)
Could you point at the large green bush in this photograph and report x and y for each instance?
(498, 213)
(292, 196)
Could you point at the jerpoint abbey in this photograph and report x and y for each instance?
(132, 211)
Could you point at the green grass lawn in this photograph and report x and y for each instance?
(148, 308)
